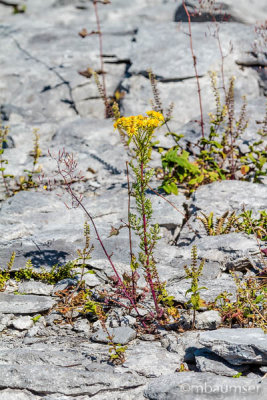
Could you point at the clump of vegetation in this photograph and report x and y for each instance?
(223, 224)
(56, 274)
(194, 272)
(257, 226)
(250, 306)
(36, 318)
(218, 156)
(243, 222)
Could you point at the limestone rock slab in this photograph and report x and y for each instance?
(237, 346)
(28, 304)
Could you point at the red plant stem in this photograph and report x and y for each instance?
(105, 251)
(101, 52)
(124, 289)
(147, 268)
(130, 231)
(195, 68)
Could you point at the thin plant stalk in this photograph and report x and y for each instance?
(130, 231)
(100, 36)
(195, 68)
(64, 173)
(147, 251)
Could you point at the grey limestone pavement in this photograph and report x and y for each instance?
(45, 84)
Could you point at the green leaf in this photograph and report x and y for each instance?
(181, 160)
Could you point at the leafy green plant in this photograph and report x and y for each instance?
(218, 156)
(238, 375)
(56, 274)
(247, 223)
(194, 272)
(178, 169)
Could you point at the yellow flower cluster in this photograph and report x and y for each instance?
(137, 124)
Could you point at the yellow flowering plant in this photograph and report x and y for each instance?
(139, 131)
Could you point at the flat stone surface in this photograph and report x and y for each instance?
(207, 361)
(29, 356)
(9, 394)
(237, 346)
(224, 248)
(74, 382)
(121, 335)
(193, 385)
(149, 359)
(22, 323)
(208, 320)
(214, 288)
(229, 195)
(33, 287)
(26, 304)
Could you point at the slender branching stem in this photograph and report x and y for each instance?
(64, 173)
(195, 68)
(130, 232)
(147, 253)
(100, 36)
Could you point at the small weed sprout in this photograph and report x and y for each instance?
(116, 351)
(27, 182)
(36, 318)
(5, 273)
(84, 255)
(194, 272)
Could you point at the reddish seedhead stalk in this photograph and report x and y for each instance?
(67, 174)
(195, 68)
